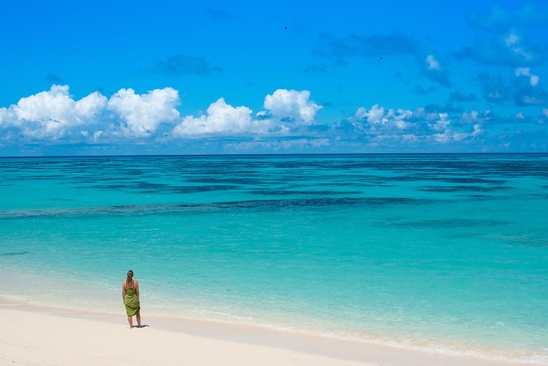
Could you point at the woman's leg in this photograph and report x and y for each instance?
(130, 321)
(139, 319)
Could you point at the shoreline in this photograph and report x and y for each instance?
(33, 333)
(225, 328)
(289, 335)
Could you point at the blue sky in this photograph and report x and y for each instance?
(213, 77)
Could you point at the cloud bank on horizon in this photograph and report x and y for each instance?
(334, 88)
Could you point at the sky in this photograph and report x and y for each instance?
(272, 77)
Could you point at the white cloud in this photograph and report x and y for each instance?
(285, 124)
(143, 113)
(474, 117)
(477, 130)
(432, 69)
(126, 114)
(459, 136)
(441, 124)
(513, 42)
(7, 116)
(524, 71)
(385, 123)
(97, 134)
(51, 113)
(294, 104)
(374, 116)
(377, 115)
(545, 112)
(432, 63)
(447, 134)
(55, 114)
(442, 138)
(400, 117)
(221, 118)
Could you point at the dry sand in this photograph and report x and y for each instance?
(41, 336)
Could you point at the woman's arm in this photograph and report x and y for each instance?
(123, 290)
(136, 288)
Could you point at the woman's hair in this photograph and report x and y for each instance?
(129, 276)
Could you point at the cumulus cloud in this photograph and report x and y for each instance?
(292, 104)
(287, 122)
(285, 111)
(221, 118)
(374, 116)
(445, 133)
(141, 114)
(411, 127)
(51, 113)
(55, 114)
(379, 116)
(378, 119)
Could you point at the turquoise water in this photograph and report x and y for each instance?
(442, 252)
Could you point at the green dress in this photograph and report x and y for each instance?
(132, 302)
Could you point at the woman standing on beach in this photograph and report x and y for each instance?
(130, 296)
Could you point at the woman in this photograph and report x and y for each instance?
(130, 296)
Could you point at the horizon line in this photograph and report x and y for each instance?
(270, 154)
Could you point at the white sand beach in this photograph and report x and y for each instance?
(42, 336)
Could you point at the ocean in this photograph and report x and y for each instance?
(442, 252)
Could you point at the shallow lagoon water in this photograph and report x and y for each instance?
(445, 252)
